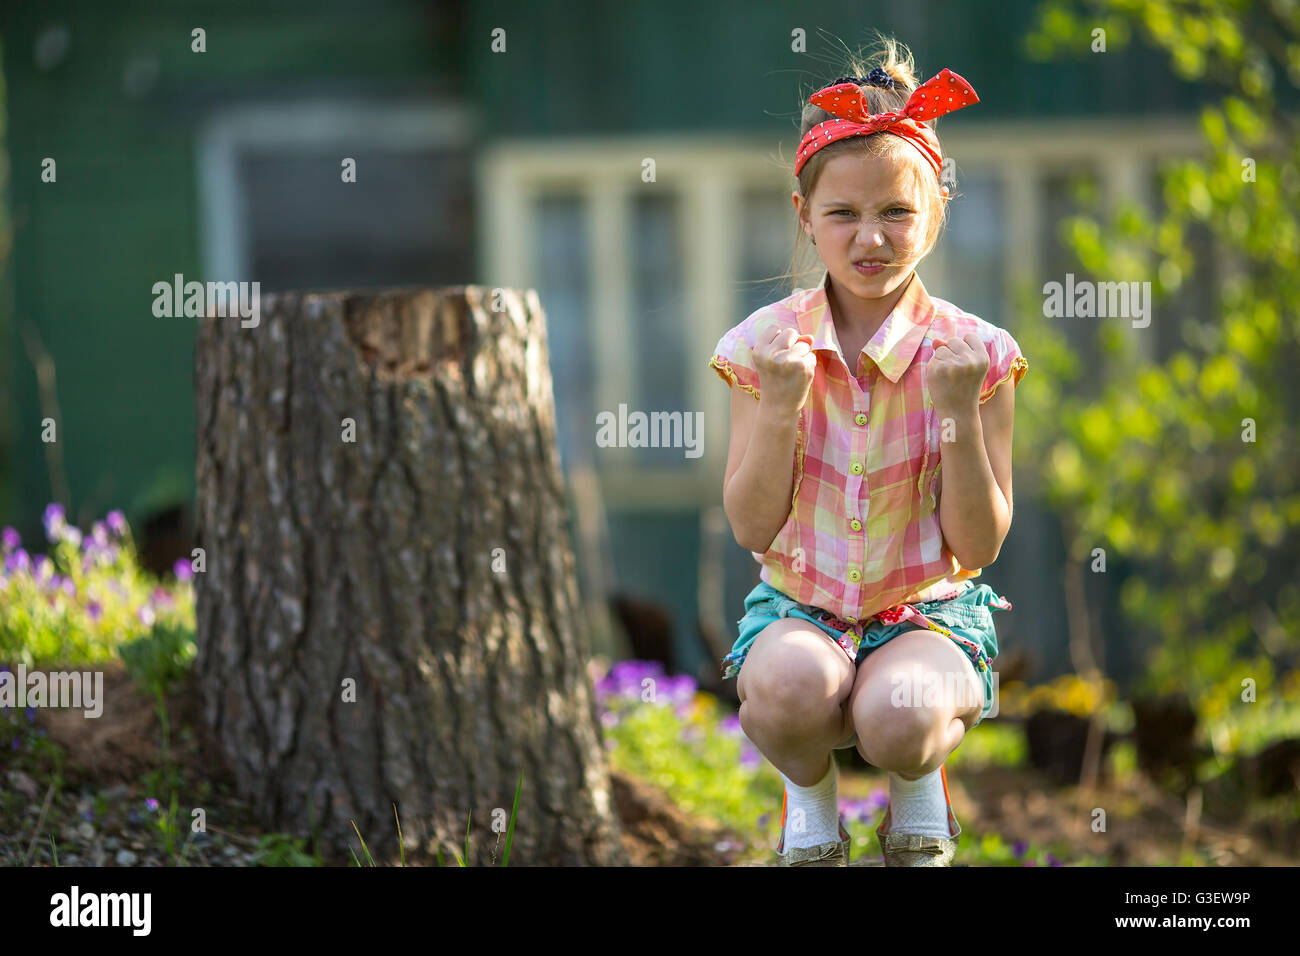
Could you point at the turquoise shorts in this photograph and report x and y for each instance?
(966, 618)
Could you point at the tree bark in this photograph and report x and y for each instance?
(427, 560)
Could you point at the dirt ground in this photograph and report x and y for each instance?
(1145, 826)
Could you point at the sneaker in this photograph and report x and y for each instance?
(915, 849)
(834, 853)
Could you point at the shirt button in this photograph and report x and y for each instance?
(855, 575)
(861, 419)
(855, 524)
(856, 468)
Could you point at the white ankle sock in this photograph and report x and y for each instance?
(812, 815)
(918, 806)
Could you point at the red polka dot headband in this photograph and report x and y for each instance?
(938, 95)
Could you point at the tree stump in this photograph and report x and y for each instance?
(389, 616)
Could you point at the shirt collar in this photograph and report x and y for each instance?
(895, 343)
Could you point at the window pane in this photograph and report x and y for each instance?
(765, 239)
(561, 245)
(974, 246)
(405, 221)
(658, 318)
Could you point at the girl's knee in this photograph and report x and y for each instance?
(794, 667)
(900, 737)
(795, 703)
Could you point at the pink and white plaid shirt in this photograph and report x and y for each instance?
(863, 533)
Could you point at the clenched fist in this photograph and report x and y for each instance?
(785, 362)
(955, 373)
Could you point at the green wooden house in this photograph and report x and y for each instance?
(504, 144)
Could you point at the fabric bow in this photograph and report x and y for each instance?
(945, 92)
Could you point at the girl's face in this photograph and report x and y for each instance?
(868, 210)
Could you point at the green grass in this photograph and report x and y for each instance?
(460, 860)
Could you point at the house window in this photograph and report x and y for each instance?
(973, 244)
(563, 258)
(275, 208)
(767, 234)
(405, 221)
(660, 365)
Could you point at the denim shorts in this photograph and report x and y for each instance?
(966, 618)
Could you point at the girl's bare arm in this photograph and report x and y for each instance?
(760, 470)
(759, 482)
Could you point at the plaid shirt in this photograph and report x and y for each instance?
(863, 532)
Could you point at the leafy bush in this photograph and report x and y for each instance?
(85, 598)
(665, 731)
(991, 744)
(160, 661)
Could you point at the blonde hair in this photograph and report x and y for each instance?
(896, 60)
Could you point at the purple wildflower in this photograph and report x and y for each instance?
(9, 539)
(730, 725)
(88, 815)
(69, 587)
(72, 535)
(44, 570)
(16, 744)
(853, 809)
(31, 715)
(183, 570)
(146, 615)
(99, 534)
(133, 817)
(19, 560)
(151, 804)
(625, 678)
(763, 819)
(680, 688)
(1019, 848)
(609, 719)
(1053, 861)
(116, 522)
(95, 610)
(54, 519)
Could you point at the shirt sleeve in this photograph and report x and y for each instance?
(733, 359)
(1005, 362)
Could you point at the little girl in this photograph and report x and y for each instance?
(865, 629)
